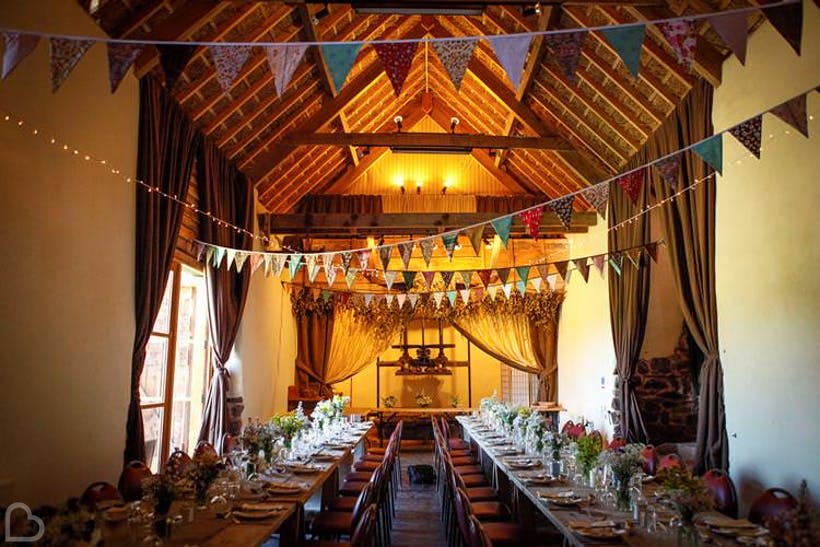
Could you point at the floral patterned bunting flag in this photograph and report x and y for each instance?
(669, 170)
(532, 220)
(748, 133)
(228, 63)
(598, 260)
(788, 21)
(428, 278)
(174, 58)
(312, 267)
(405, 251)
(632, 184)
(682, 37)
(455, 55)
(390, 278)
(63, 56)
(396, 59)
(364, 259)
(467, 277)
(562, 207)
(475, 234)
(384, 255)
(339, 59)
(711, 150)
(793, 112)
(278, 263)
(16, 47)
(484, 276)
(347, 257)
(330, 269)
(449, 241)
(627, 42)
(437, 297)
(566, 50)
(465, 295)
(598, 197)
(283, 61)
(409, 279)
(239, 260)
(256, 261)
(503, 274)
(733, 29)
(350, 277)
(446, 278)
(427, 250)
(294, 264)
(502, 228)
(120, 59)
(582, 266)
(511, 52)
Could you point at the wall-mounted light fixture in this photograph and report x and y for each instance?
(454, 121)
(398, 120)
(418, 186)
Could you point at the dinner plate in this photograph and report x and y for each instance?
(598, 533)
(115, 514)
(524, 465)
(304, 469)
(544, 481)
(564, 499)
(254, 515)
(283, 488)
(324, 457)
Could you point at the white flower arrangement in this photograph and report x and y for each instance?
(423, 400)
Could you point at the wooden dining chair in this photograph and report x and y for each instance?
(771, 504)
(99, 492)
(650, 459)
(669, 461)
(204, 448)
(178, 463)
(130, 483)
(723, 491)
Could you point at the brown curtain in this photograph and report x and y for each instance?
(506, 204)
(165, 157)
(226, 193)
(359, 204)
(689, 231)
(347, 359)
(544, 339)
(628, 301)
(314, 334)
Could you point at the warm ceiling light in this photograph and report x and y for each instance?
(418, 186)
(397, 120)
(454, 121)
(535, 9)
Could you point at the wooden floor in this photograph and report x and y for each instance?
(418, 517)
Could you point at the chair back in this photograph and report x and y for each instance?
(567, 427)
(178, 464)
(463, 512)
(365, 531)
(364, 501)
(723, 491)
(617, 442)
(669, 461)
(650, 459)
(130, 483)
(99, 492)
(771, 504)
(478, 538)
(204, 448)
(228, 444)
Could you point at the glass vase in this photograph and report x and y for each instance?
(623, 495)
(688, 535)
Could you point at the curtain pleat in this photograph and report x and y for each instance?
(165, 158)
(226, 193)
(314, 333)
(353, 346)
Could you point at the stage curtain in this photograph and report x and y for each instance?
(428, 203)
(228, 194)
(165, 157)
(314, 333)
(354, 345)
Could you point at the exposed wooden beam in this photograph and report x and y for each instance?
(407, 223)
(130, 25)
(443, 142)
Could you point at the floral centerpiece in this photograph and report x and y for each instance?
(340, 403)
(71, 524)
(162, 489)
(797, 527)
(289, 424)
(258, 437)
(688, 495)
(520, 423)
(204, 471)
(323, 413)
(389, 401)
(423, 400)
(455, 400)
(624, 463)
(587, 450)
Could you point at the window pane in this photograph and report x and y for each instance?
(163, 322)
(152, 381)
(152, 424)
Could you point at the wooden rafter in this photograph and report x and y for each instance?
(443, 142)
(130, 26)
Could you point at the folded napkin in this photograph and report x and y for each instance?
(591, 524)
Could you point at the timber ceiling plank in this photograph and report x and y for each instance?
(426, 140)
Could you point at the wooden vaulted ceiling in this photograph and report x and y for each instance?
(600, 121)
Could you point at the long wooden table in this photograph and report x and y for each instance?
(561, 517)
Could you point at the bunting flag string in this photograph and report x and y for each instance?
(748, 133)
(563, 208)
(396, 58)
(283, 60)
(733, 29)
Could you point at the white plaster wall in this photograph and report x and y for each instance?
(66, 285)
(586, 357)
(768, 250)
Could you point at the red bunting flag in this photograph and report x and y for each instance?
(396, 59)
(428, 278)
(632, 184)
(682, 37)
(532, 220)
(484, 276)
(566, 50)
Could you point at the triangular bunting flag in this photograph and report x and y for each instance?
(532, 220)
(294, 263)
(635, 258)
(465, 295)
(787, 20)
(479, 293)
(368, 298)
(511, 52)
(427, 250)
(405, 251)
(339, 58)
(563, 208)
(239, 261)
(16, 47)
(652, 251)
(543, 270)
(413, 298)
(384, 255)
(748, 133)
(312, 267)
(669, 170)
(256, 261)
(120, 59)
(230, 254)
(523, 272)
(63, 56)
(283, 60)
(551, 281)
(467, 277)
(682, 37)
(475, 234)
(278, 263)
(390, 278)
(627, 42)
(347, 257)
(267, 260)
(632, 184)
(582, 266)
(566, 50)
(733, 29)
(598, 197)
(409, 279)
(437, 297)
(396, 59)
(711, 150)
(492, 291)
(562, 268)
(484, 276)
(617, 263)
(315, 293)
(449, 241)
(446, 277)
(330, 275)
(350, 277)
(388, 298)
(219, 253)
(793, 112)
(503, 274)
(401, 298)
(507, 288)
(174, 58)
(502, 228)
(428, 278)
(325, 295)
(598, 260)
(455, 55)
(451, 296)
(521, 287)
(364, 259)
(536, 283)
(228, 63)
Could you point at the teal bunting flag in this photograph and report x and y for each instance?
(219, 253)
(449, 241)
(617, 263)
(502, 228)
(521, 286)
(711, 150)
(523, 273)
(294, 263)
(409, 278)
(627, 41)
(451, 296)
(339, 59)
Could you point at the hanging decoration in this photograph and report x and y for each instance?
(502, 228)
(627, 42)
(787, 19)
(511, 51)
(562, 207)
(455, 55)
(396, 58)
(228, 63)
(598, 197)
(339, 59)
(669, 170)
(682, 37)
(632, 184)
(283, 60)
(63, 56)
(748, 133)
(566, 50)
(120, 59)
(16, 47)
(711, 151)
(532, 220)
(793, 112)
(174, 58)
(733, 29)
